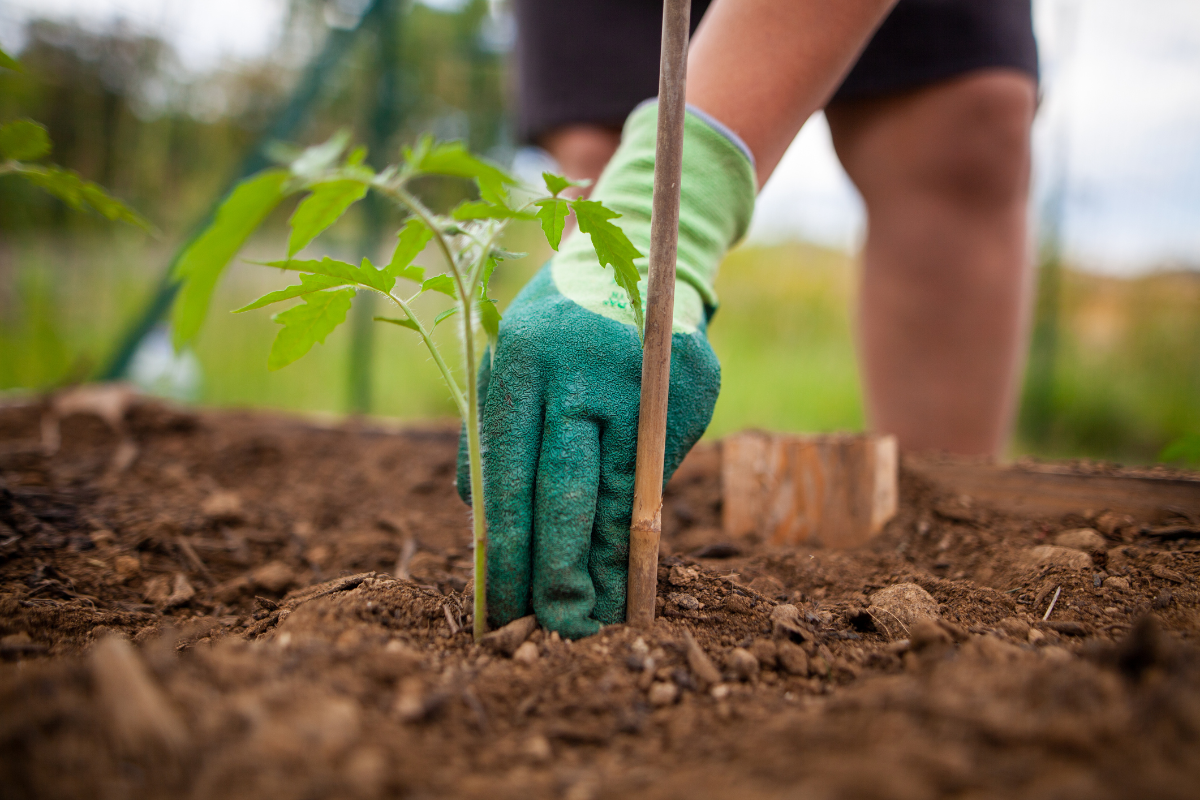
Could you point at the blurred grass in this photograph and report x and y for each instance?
(1126, 382)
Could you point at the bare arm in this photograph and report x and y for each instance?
(762, 67)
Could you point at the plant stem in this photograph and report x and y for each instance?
(471, 413)
(475, 460)
(447, 375)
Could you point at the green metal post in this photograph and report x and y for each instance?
(285, 125)
(386, 118)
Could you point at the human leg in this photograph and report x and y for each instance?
(761, 67)
(944, 173)
(582, 149)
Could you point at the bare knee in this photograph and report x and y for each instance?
(962, 143)
(581, 150)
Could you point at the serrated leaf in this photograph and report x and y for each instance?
(447, 314)
(318, 158)
(201, 264)
(308, 284)
(412, 240)
(24, 140)
(452, 158)
(321, 209)
(307, 324)
(365, 274)
(479, 209)
(8, 62)
(556, 183)
(82, 195)
(403, 323)
(489, 267)
(612, 248)
(552, 213)
(489, 319)
(439, 283)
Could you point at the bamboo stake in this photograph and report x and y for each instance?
(660, 307)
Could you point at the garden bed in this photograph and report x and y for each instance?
(294, 597)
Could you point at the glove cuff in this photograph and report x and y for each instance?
(716, 202)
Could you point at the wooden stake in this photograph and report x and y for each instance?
(660, 311)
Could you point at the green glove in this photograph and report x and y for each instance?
(560, 399)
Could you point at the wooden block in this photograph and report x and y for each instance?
(1043, 490)
(836, 489)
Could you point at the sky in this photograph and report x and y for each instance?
(1119, 124)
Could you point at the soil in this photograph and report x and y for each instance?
(243, 605)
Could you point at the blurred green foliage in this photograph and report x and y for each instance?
(1124, 381)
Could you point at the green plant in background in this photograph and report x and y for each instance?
(24, 142)
(467, 240)
(1185, 448)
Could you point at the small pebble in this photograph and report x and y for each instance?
(682, 576)
(792, 658)
(527, 653)
(1084, 539)
(765, 652)
(537, 748)
(1115, 583)
(663, 693)
(684, 601)
(738, 604)
(1164, 599)
(742, 663)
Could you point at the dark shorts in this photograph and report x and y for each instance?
(593, 61)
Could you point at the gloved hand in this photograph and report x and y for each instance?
(559, 401)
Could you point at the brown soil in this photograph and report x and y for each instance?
(294, 598)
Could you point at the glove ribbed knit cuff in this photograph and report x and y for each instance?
(716, 203)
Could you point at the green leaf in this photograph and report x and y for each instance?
(489, 267)
(308, 284)
(403, 323)
(489, 318)
(440, 283)
(24, 140)
(201, 264)
(307, 324)
(1186, 448)
(8, 62)
(556, 183)
(612, 247)
(452, 158)
(553, 215)
(321, 209)
(80, 194)
(479, 209)
(412, 240)
(366, 274)
(317, 159)
(449, 312)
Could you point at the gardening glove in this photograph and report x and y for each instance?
(559, 400)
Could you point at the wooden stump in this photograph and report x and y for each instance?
(837, 489)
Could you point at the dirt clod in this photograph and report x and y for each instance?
(1054, 556)
(663, 693)
(741, 664)
(897, 608)
(1084, 539)
(507, 639)
(792, 658)
(527, 653)
(138, 713)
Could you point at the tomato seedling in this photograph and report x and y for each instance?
(467, 240)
